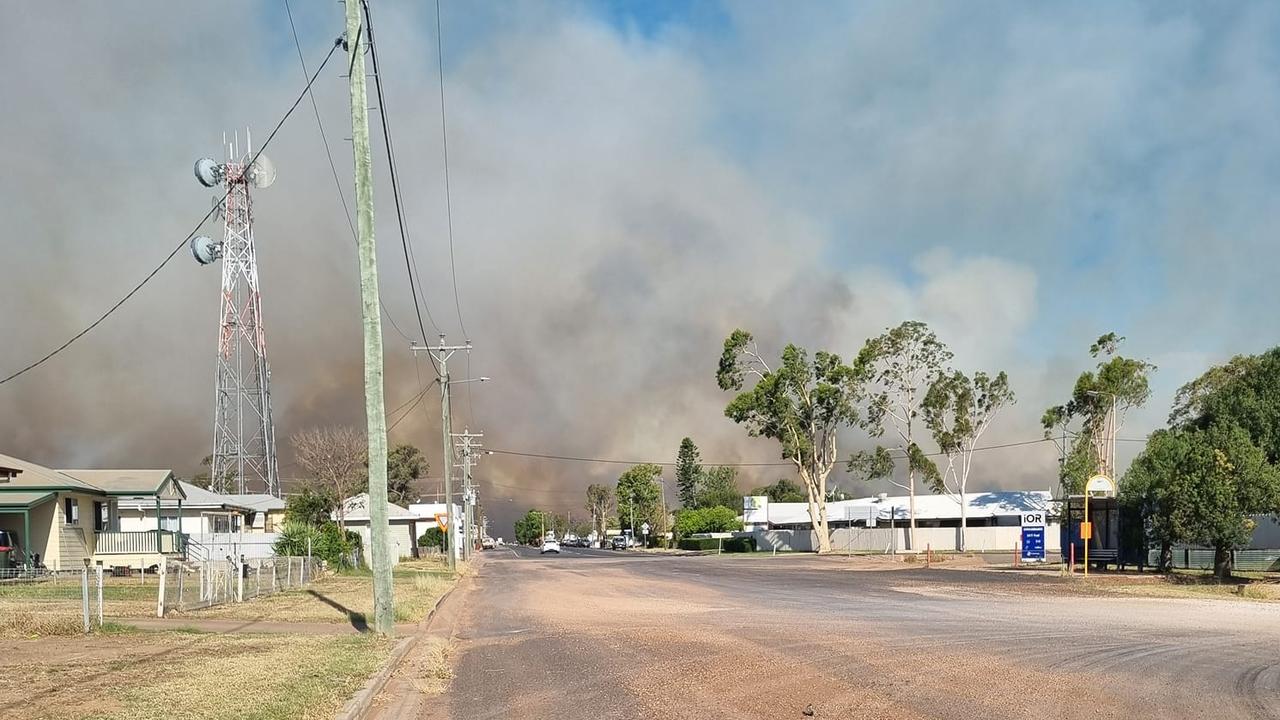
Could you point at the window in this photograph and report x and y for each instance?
(71, 511)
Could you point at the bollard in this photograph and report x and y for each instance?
(1072, 561)
(1017, 552)
(928, 554)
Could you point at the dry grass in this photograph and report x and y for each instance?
(1255, 591)
(430, 667)
(173, 675)
(346, 597)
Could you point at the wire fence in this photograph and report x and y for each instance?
(195, 585)
(47, 602)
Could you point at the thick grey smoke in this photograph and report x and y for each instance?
(625, 193)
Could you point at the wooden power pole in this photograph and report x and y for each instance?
(374, 407)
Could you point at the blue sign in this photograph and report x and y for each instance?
(1033, 542)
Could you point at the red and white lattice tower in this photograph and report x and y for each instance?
(244, 447)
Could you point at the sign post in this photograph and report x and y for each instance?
(1033, 531)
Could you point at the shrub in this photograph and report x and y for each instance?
(707, 520)
(328, 542)
(433, 537)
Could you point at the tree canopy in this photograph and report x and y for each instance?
(707, 520)
(688, 472)
(718, 487)
(1200, 481)
(784, 490)
(1117, 382)
(802, 405)
(638, 496)
(405, 463)
(901, 364)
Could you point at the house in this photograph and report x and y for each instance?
(70, 518)
(403, 539)
(432, 513)
(266, 512)
(213, 525)
(200, 512)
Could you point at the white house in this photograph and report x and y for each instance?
(201, 512)
(404, 526)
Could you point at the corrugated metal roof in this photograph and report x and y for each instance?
(995, 503)
(259, 502)
(33, 477)
(142, 482)
(24, 498)
(356, 509)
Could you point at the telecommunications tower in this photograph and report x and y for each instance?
(244, 443)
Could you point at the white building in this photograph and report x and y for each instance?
(429, 512)
(404, 524)
(881, 523)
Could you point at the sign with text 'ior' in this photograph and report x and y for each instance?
(1033, 531)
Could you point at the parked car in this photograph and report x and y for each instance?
(618, 542)
(10, 550)
(550, 546)
(487, 544)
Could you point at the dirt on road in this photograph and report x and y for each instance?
(597, 636)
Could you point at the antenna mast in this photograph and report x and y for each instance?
(244, 443)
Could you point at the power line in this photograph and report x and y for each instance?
(410, 263)
(448, 196)
(342, 196)
(666, 463)
(186, 240)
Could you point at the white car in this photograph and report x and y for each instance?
(550, 546)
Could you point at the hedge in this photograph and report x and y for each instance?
(744, 544)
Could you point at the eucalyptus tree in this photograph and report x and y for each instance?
(958, 410)
(1117, 385)
(802, 404)
(902, 363)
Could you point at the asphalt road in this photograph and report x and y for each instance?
(596, 634)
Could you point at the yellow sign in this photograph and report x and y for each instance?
(1086, 530)
(442, 520)
(1100, 486)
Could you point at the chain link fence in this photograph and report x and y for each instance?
(195, 585)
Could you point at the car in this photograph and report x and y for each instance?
(487, 544)
(618, 542)
(550, 546)
(10, 550)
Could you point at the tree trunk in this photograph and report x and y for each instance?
(1222, 562)
(964, 518)
(911, 491)
(1166, 556)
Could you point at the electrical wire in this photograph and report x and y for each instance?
(448, 205)
(337, 183)
(174, 252)
(410, 262)
(667, 463)
(448, 196)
